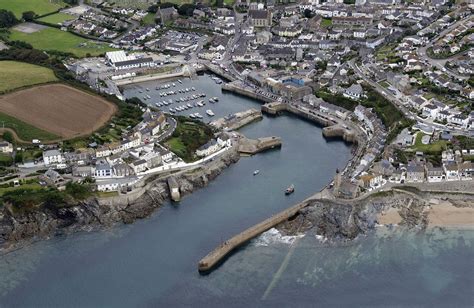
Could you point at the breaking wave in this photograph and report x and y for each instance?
(273, 236)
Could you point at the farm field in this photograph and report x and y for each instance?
(40, 7)
(24, 131)
(18, 74)
(57, 109)
(55, 39)
(57, 18)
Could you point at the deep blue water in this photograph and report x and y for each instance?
(153, 262)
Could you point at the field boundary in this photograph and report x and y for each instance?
(113, 106)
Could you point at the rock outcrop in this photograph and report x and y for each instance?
(42, 222)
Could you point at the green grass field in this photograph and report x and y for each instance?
(40, 7)
(15, 75)
(24, 130)
(149, 19)
(57, 18)
(326, 22)
(55, 39)
(432, 148)
(33, 186)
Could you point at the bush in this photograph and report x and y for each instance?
(7, 19)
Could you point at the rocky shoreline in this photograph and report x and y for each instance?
(17, 229)
(346, 219)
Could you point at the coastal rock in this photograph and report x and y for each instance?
(347, 219)
(42, 222)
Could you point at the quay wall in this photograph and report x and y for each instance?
(216, 70)
(137, 79)
(251, 146)
(238, 90)
(214, 257)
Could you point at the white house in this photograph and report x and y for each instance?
(6, 147)
(459, 119)
(355, 91)
(209, 148)
(52, 157)
(103, 151)
(139, 165)
(129, 143)
(452, 172)
(103, 169)
(166, 155)
(224, 140)
(435, 174)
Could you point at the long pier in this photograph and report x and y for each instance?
(214, 257)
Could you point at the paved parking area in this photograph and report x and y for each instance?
(29, 27)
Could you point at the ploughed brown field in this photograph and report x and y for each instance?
(58, 109)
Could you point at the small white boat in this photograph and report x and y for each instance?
(210, 113)
(256, 172)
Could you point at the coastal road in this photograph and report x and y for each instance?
(399, 104)
(439, 63)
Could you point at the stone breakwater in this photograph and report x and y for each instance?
(342, 219)
(17, 227)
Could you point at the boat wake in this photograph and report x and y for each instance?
(273, 236)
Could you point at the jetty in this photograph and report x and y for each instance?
(340, 131)
(214, 257)
(254, 146)
(237, 120)
(174, 189)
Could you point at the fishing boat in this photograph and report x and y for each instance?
(290, 189)
(209, 112)
(256, 172)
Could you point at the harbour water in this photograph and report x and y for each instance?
(153, 262)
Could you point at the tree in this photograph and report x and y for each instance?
(186, 9)
(152, 9)
(7, 19)
(28, 16)
(308, 13)
(167, 5)
(8, 136)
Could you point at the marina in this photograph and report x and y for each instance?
(143, 258)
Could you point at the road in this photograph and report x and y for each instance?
(399, 103)
(439, 63)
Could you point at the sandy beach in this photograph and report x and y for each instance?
(446, 215)
(390, 216)
(440, 214)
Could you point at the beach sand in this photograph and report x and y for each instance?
(390, 216)
(446, 215)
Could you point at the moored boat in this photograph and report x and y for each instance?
(290, 189)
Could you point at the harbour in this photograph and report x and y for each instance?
(153, 261)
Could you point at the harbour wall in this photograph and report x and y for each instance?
(239, 120)
(252, 146)
(214, 257)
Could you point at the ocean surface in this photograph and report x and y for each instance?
(153, 262)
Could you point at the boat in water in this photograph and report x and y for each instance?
(290, 189)
(256, 172)
(209, 112)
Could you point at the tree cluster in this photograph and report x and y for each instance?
(7, 19)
